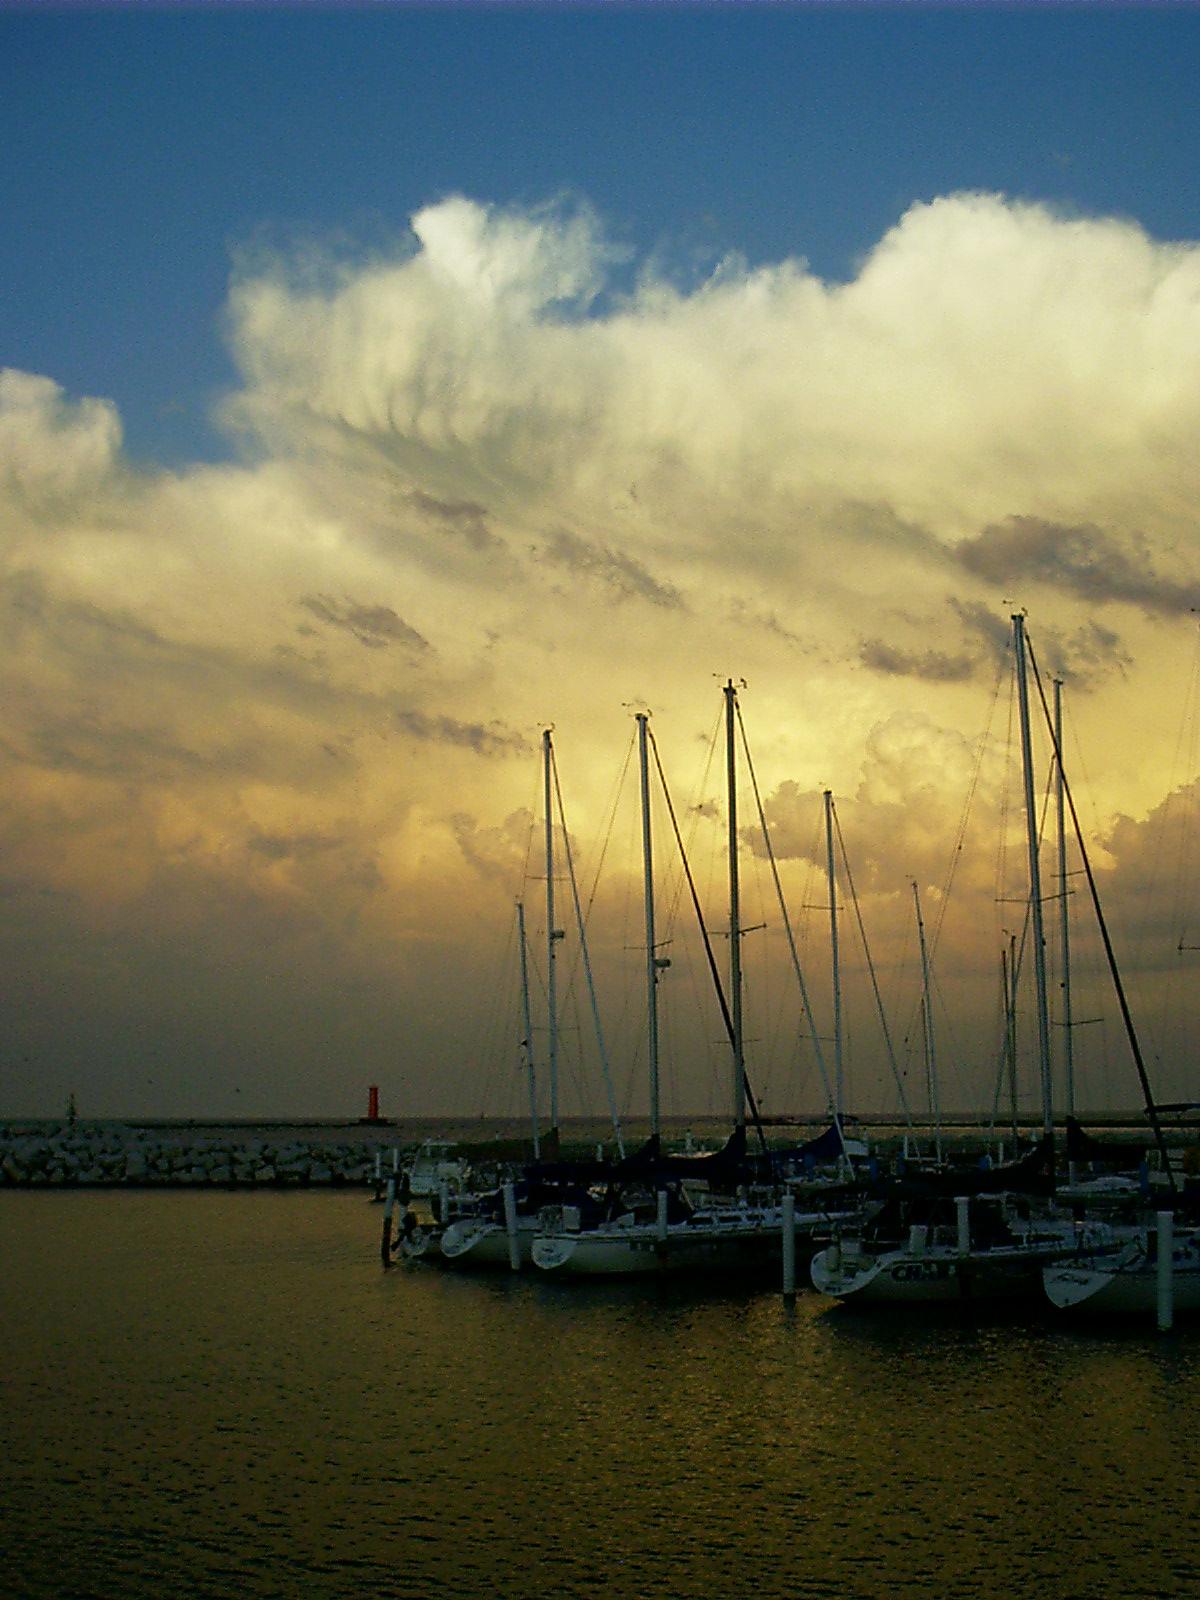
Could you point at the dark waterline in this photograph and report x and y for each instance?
(212, 1394)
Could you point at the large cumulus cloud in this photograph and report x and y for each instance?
(506, 477)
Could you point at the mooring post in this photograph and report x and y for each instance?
(789, 1244)
(1166, 1271)
(962, 1209)
(385, 1246)
(510, 1225)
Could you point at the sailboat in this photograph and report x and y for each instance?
(493, 1228)
(1149, 1261)
(493, 1225)
(1131, 1274)
(949, 1236)
(686, 1213)
(988, 1234)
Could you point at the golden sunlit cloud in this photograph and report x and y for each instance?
(271, 727)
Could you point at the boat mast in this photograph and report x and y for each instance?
(838, 1070)
(527, 1024)
(1008, 965)
(1064, 919)
(553, 935)
(581, 927)
(643, 718)
(1111, 956)
(1035, 879)
(931, 1079)
(735, 931)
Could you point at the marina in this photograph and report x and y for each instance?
(601, 751)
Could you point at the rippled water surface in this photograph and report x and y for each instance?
(223, 1394)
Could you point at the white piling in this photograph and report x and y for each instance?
(789, 1244)
(385, 1243)
(660, 1216)
(1166, 1270)
(510, 1226)
(962, 1208)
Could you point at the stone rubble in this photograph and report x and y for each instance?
(90, 1155)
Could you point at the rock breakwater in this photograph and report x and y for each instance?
(82, 1155)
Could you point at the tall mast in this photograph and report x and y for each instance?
(735, 928)
(1008, 962)
(552, 937)
(527, 1025)
(581, 926)
(931, 1078)
(643, 718)
(838, 1070)
(1035, 879)
(1064, 919)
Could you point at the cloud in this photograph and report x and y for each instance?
(620, 574)
(934, 666)
(900, 818)
(485, 741)
(991, 359)
(1095, 565)
(376, 627)
(500, 854)
(52, 447)
(282, 847)
(462, 516)
(278, 709)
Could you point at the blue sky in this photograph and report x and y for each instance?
(140, 148)
(381, 385)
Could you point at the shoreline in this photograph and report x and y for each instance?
(249, 1154)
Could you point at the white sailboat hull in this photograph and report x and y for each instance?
(899, 1277)
(474, 1242)
(1126, 1283)
(631, 1251)
(740, 1241)
(937, 1273)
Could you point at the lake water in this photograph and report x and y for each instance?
(222, 1394)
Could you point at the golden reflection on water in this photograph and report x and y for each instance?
(226, 1388)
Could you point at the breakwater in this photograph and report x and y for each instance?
(86, 1155)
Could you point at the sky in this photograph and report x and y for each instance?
(383, 385)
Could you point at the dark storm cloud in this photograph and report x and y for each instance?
(991, 628)
(492, 740)
(464, 517)
(1085, 658)
(291, 847)
(933, 666)
(618, 572)
(1083, 560)
(376, 627)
